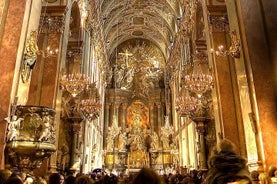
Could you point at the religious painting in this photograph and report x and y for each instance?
(138, 115)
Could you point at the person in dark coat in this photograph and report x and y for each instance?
(226, 166)
(147, 176)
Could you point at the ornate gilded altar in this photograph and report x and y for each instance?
(136, 144)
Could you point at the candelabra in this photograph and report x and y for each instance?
(74, 83)
(233, 51)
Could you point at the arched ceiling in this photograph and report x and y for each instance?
(153, 20)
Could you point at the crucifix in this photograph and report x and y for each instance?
(126, 54)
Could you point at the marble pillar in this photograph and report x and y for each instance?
(225, 85)
(11, 34)
(258, 23)
(200, 128)
(75, 150)
(45, 75)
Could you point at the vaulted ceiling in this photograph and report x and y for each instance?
(152, 20)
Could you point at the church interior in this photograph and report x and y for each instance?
(120, 85)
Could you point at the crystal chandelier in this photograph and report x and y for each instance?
(91, 107)
(185, 104)
(198, 82)
(74, 83)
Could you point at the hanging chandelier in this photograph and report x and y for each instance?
(91, 106)
(74, 83)
(199, 82)
(185, 104)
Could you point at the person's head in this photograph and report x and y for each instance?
(70, 179)
(55, 178)
(83, 179)
(271, 170)
(226, 145)
(147, 176)
(29, 180)
(4, 175)
(254, 175)
(13, 179)
(264, 178)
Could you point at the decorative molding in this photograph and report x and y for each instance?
(219, 23)
(52, 24)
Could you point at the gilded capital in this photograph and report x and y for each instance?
(52, 24)
(219, 23)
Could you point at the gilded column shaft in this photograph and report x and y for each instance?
(124, 112)
(159, 114)
(151, 115)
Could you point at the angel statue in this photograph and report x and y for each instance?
(13, 127)
(155, 141)
(46, 128)
(122, 141)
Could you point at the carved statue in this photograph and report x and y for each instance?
(165, 142)
(128, 78)
(110, 142)
(122, 141)
(13, 127)
(65, 156)
(46, 128)
(119, 75)
(155, 141)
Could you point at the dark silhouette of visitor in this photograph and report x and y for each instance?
(226, 166)
(147, 176)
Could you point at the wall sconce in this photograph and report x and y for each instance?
(233, 51)
(31, 53)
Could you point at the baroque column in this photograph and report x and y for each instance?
(76, 126)
(107, 120)
(151, 115)
(217, 22)
(159, 118)
(123, 115)
(14, 24)
(44, 82)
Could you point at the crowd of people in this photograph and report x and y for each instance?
(225, 167)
